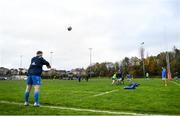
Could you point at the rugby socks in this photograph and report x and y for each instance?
(26, 96)
(36, 97)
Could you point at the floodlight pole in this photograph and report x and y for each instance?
(1, 59)
(51, 58)
(143, 68)
(142, 57)
(90, 50)
(20, 65)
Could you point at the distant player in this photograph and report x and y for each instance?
(34, 77)
(164, 74)
(79, 77)
(176, 76)
(114, 79)
(120, 78)
(129, 77)
(147, 75)
(87, 77)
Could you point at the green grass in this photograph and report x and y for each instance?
(151, 97)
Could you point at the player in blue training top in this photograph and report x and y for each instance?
(34, 77)
(164, 74)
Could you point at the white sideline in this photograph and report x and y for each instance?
(175, 83)
(107, 92)
(77, 109)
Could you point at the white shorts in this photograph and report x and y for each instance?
(119, 79)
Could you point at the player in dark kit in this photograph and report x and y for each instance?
(120, 78)
(34, 77)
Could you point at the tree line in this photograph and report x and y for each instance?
(134, 65)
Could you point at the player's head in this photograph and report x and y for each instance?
(39, 53)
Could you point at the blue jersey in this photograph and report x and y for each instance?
(36, 65)
(129, 76)
(164, 73)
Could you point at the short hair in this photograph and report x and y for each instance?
(39, 52)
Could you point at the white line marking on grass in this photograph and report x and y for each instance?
(75, 109)
(107, 92)
(84, 110)
(175, 83)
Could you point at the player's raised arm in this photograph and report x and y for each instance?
(46, 63)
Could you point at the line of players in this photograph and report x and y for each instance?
(118, 77)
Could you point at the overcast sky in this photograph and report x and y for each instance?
(113, 28)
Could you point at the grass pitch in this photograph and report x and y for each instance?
(151, 97)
